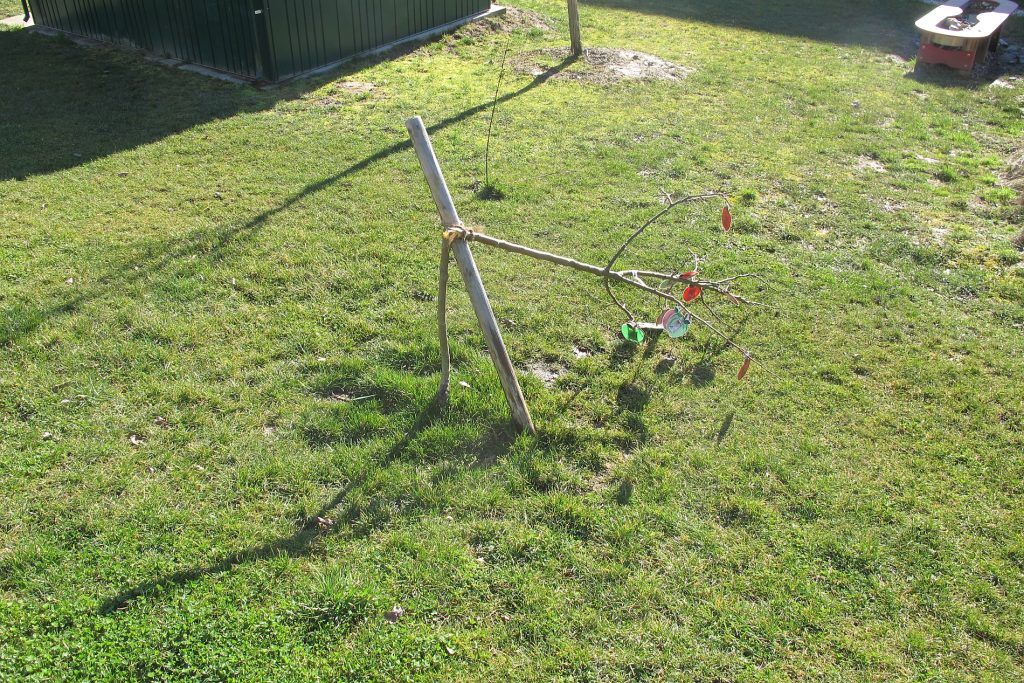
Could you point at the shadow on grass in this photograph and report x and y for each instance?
(19, 321)
(982, 77)
(64, 105)
(303, 541)
(878, 24)
(723, 431)
(296, 545)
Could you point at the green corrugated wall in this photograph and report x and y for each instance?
(255, 39)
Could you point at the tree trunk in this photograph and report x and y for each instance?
(574, 29)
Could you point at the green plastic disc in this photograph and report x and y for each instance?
(633, 334)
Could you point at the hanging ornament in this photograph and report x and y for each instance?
(745, 368)
(726, 219)
(665, 315)
(691, 293)
(678, 324)
(632, 333)
(688, 275)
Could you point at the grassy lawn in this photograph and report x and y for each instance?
(191, 272)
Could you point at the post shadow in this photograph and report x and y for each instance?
(18, 322)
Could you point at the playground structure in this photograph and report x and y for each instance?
(962, 34)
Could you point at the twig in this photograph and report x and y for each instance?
(670, 203)
(494, 108)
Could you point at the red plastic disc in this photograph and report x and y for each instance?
(691, 293)
(746, 366)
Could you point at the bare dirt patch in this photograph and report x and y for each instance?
(865, 163)
(514, 19)
(600, 65)
(355, 87)
(545, 372)
(1008, 82)
(890, 205)
(341, 93)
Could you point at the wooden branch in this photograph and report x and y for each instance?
(623, 276)
(670, 203)
(470, 276)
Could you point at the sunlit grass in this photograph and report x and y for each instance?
(241, 280)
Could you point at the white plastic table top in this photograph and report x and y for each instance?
(987, 24)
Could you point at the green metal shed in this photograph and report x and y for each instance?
(258, 40)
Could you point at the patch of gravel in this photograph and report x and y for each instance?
(514, 19)
(600, 65)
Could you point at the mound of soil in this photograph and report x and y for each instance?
(600, 65)
(514, 19)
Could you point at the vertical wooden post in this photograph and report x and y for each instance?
(575, 35)
(471, 276)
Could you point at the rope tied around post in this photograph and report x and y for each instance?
(460, 232)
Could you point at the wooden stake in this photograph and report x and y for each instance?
(575, 35)
(471, 276)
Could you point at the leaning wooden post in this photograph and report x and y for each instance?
(575, 35)
(470, 275)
